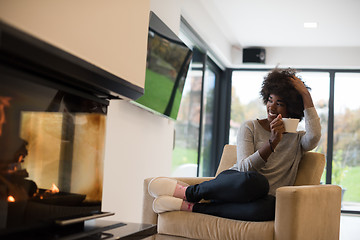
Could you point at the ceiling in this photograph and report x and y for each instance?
(279, 23)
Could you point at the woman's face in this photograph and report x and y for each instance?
(275, 106)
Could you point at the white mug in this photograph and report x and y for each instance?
(290, 124)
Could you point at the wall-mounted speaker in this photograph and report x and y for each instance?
(253, 55)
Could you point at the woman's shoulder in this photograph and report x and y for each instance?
(250, 124)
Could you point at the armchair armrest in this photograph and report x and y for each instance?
(148, 215)
(308, 212)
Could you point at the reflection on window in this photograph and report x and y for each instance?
(184, 159)
(346, 153)
(207, 123)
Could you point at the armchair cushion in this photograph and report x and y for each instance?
(308, 212)
(310, 169)
(201, 226)
(228, 158)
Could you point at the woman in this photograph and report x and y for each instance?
(267, 158)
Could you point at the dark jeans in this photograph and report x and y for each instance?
(236, 195)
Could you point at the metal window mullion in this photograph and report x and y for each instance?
(330, 140)
(201, 115)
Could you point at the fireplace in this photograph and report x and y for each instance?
(53, 109)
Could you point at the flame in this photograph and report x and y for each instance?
(4, 102)
(11, 199)
(54, 189)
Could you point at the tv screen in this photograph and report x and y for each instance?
(168, 60)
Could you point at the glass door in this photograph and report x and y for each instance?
(193, 153)
(207, 123)
(346, 144)
(187, 127)
(319, 82)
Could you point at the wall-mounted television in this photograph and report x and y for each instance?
(167, 63)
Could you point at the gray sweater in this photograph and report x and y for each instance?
(282, 165)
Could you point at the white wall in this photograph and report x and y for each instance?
(305, 57)
(138, 145)
(169, 12)
(323, 57)
(111, 34)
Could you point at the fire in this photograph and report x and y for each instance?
(11, 199)
(45, 194)
(54, 189)
(4, 102)
(21, 158)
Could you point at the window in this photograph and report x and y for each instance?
(197, 142)
(319, 84)
(339, 115)
(245, 99)
(187, 126)
(346, 143)
(193, 153)
(207, 124)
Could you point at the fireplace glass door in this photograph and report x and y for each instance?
(51, 151)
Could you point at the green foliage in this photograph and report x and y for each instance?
(346, 153)
(347, 136)
(167, 52)
(182, 156)
(241, 112)
(338, 168)
(237, 109)
(351, 184)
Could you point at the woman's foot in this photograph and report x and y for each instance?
(187, 206)
(161, 186)
(167, 204)
(180, 191)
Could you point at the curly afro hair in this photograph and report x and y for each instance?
(278, 82)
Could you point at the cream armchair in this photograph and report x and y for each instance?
(306, 211)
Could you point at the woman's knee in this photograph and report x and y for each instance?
(267, 209)
(241, 186)
(255, 185)
(250, 179)
(262, 209)
(260, 182)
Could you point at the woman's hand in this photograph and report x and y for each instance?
(304, 92)
(277, 129)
